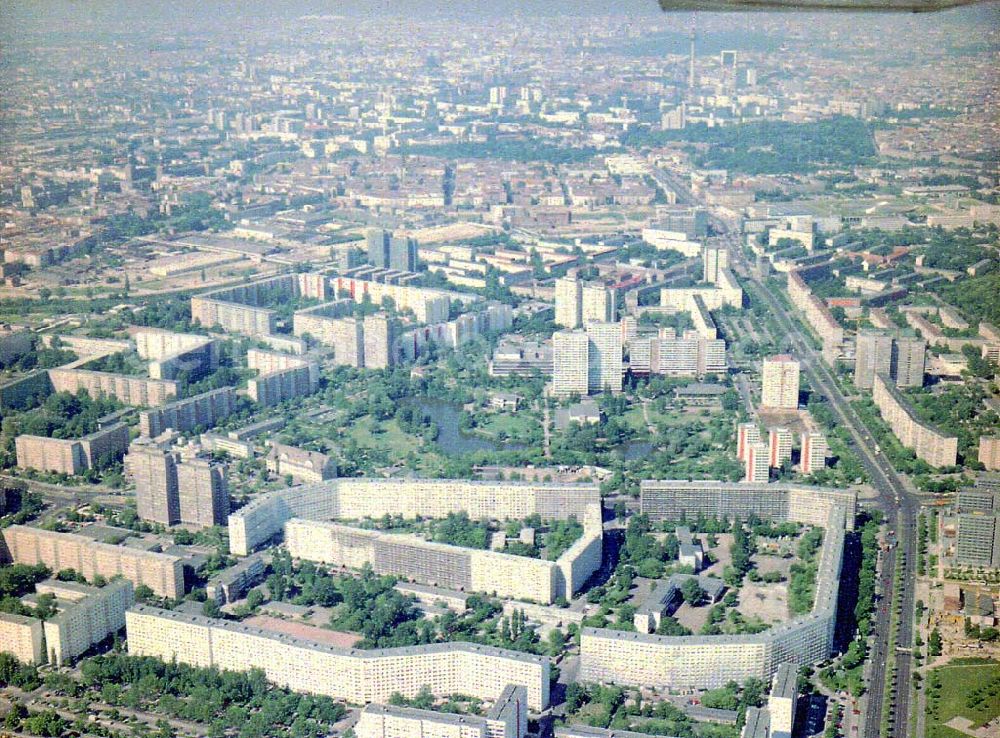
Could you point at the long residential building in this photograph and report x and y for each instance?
(138, 391)
(725, 291)
(689, 355)
(353, 675)
(707, 662)
(334, 324)
(678, 500)
(72, 455)
(977, 543)
(452, 567)
(492, 318)
(241, 309)
(353, 498)
(428, 305)
(928, 442)
(162, 573)
(204, 410)
(818, 315)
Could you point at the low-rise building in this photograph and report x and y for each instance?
(304, 466)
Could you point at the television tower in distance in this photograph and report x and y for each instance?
(691, 60)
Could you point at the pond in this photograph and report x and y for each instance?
(451, 438)
(455, 442)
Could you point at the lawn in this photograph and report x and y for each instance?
(515, 427)
(962, 689)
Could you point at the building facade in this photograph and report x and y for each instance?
(203, 410)
(72, 456)
(780, 383)
(928, 442)
(162, 573)
(353, 675)
(570, 363)
(814, 452)
(779, 446)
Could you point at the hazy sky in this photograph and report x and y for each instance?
(19, 17)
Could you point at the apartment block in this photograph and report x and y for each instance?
(989, 452)
(704, 324)
(345, 674)
(171, 353)
(22, 637)
(690, 355)
(333, 324)
(570, 363)
(506, 718)
(901, 357)
(977, 543)
(203, 492)
(304, 466)
(929, 443)
(782, 702)
(604, 357)
(171, 488)
(15, 342)
(908, 358)
(204, 410)
(87, 615)
(162, 573)
(707, 662)
(725, 291)
(714, 260)
(128, 390)
(379, 335)
(873, 355)
(280, 377)
(428, 305)
(982, 497)
(72, 456)
(492, 317)
(350, 498)
(814, 452)
(676, 500)
(779, 445)
(756, 468)
(579, 302)
(817, 315)
(153, 470)
(441, 565)
(780, 383)
(568, 302)
(386, 251)
(240, 309)
(747, 435)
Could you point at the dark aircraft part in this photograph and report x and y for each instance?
(890, 6)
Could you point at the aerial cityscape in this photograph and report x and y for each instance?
(533, 370)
